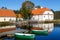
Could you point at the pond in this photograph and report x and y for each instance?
(54, 35)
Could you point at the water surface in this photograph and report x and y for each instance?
(54, 35)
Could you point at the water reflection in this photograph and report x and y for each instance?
(43, 26)
(7, 28)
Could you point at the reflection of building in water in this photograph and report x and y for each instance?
(44, 26)
(7, 28)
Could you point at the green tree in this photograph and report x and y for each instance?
(38, 6)
(57, 14)
(25, 12)
(27, 6)
(16, 11)
(4, 8)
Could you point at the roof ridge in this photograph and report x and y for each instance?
(7, 12)
(39, 11)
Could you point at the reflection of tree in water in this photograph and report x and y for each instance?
(27, 27)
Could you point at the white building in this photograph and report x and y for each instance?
(7, 15)
(42, 14)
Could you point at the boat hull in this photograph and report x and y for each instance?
(24, 36)
(40, 32)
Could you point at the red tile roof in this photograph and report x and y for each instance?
(7, 13)
(39, 11)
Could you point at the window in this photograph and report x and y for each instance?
(51, 16)
(4, 19)
(48, 13)
(44, 16)
(10, 19)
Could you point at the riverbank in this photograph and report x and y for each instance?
(5, 24)
(53, 21)
(25, 22)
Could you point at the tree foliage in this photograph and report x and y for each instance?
(16, 11)
(28, 4)
(38, 6)
(3, 7)
(57, 14)
(25, 12)
(26, 8)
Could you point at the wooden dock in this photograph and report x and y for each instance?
(11, 33)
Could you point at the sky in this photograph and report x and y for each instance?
(16, 4)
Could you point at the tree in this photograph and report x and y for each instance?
(4, 8)
(16, 11)
(52, 10)
(25, 12)
(57, 14)
(37, 6)
(27, 6)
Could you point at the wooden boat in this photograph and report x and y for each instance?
(42, 29)
(37, 28)
(22, 36)
(39, 32)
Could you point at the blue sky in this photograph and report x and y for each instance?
(16, 4)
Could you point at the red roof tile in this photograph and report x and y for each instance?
(7, 13)
(39, 11)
